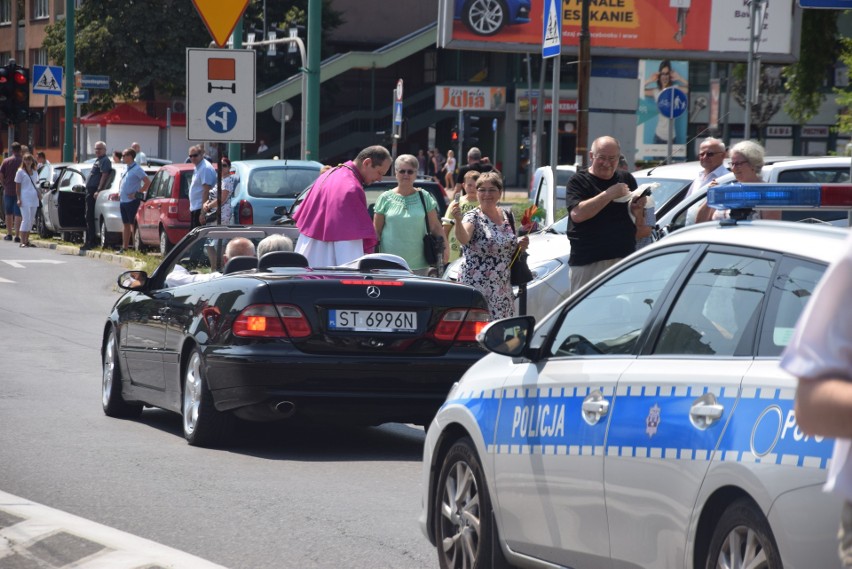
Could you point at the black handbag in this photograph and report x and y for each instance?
(433, 246)
(519, 270)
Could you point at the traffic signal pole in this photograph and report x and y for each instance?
(68, 145)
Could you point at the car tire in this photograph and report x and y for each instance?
(485, 17)
(104, 236)
(202, 424)
(743, 538)
(41, 228)
(165, 244)
(113, 401)
(465, 531)
(137, 240)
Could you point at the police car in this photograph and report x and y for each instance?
(646, 422)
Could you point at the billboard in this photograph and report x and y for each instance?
(466, 98)
(652, 117)
(698, 29)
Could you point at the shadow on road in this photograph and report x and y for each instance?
(304, 440)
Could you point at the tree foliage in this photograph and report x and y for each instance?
(140, 45)
(844, 95)
(818, 52)
(770, 94)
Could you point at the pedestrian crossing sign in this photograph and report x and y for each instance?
(551, 37)
(47, 80)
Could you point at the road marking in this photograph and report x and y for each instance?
(19, 264)
(34, 533)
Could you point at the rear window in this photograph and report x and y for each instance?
(280, 182)
(185, 181)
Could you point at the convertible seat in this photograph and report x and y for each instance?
(241, 263)
(282, 259)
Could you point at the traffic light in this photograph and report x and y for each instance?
(20, 93)
(5, 92)
(454, 134)
(14, 92)
(471, 129)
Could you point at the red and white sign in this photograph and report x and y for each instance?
(463, 98)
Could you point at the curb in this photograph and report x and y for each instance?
(106, 256)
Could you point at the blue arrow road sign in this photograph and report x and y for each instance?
(672, 102)
(221, 117)
(47, 80)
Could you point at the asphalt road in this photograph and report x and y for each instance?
(285, 496)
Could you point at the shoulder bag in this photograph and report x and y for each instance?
(520, 273)
(433, 246)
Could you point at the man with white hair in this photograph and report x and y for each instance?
(711, 155)
(141, 158)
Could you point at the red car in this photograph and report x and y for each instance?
(163, 217)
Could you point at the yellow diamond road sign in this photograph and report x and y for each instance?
(220, 17)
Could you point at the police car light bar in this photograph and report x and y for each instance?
(780, 196)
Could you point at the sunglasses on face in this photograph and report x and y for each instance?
(406, 172)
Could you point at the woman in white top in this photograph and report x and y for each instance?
(450, 176)
(26, 184)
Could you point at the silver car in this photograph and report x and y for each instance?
(645, 422)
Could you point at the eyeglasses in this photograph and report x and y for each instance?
(487, 190)
(605, 158)
(193, 155)
(406, 172)
(740, 163)
(707, 154)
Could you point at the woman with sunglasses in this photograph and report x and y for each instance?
(488, 244)
(401, 214)
(746, 163)
(26, 185)
(211, 206)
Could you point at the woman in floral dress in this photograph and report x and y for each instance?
(487, 243)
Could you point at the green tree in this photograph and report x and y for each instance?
(140, 45)
(844, 95)
(770, 95)
(818, 52)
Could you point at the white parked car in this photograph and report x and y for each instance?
(645, 422)
(823, 170)
(63, 204)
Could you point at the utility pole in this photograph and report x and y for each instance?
(68, 145)
(583, 78)
(313, 71)
(757, 15)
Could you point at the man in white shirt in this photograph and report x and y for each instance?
(237, 247)
(820, 355)
(711, 155)
(141, 158)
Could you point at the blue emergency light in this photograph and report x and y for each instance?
(780, 196)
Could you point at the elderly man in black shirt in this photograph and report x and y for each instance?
(604, 222)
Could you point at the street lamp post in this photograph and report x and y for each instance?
(301, 45)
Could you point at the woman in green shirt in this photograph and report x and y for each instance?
(400, 217)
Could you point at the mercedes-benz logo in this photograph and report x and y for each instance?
(373, 291)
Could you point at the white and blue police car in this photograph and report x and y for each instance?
(645, 423)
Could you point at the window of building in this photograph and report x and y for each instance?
(5, 11)
(38, 56)
(41, 9)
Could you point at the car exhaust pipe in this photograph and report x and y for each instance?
(286, 408)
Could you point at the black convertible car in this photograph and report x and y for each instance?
(271, 338)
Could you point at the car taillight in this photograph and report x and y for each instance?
(461, 324)
(271, 321)
(246, 214)
(114, 197)
(172, 208)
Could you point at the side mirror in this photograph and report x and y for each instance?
(509, 336)
(79, 188)
(280, 210)
(133, 280)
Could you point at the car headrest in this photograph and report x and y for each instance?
(241, 263)
(281, 259)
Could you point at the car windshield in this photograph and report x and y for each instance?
(562, 177)
(667, 189)
(279, 182)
